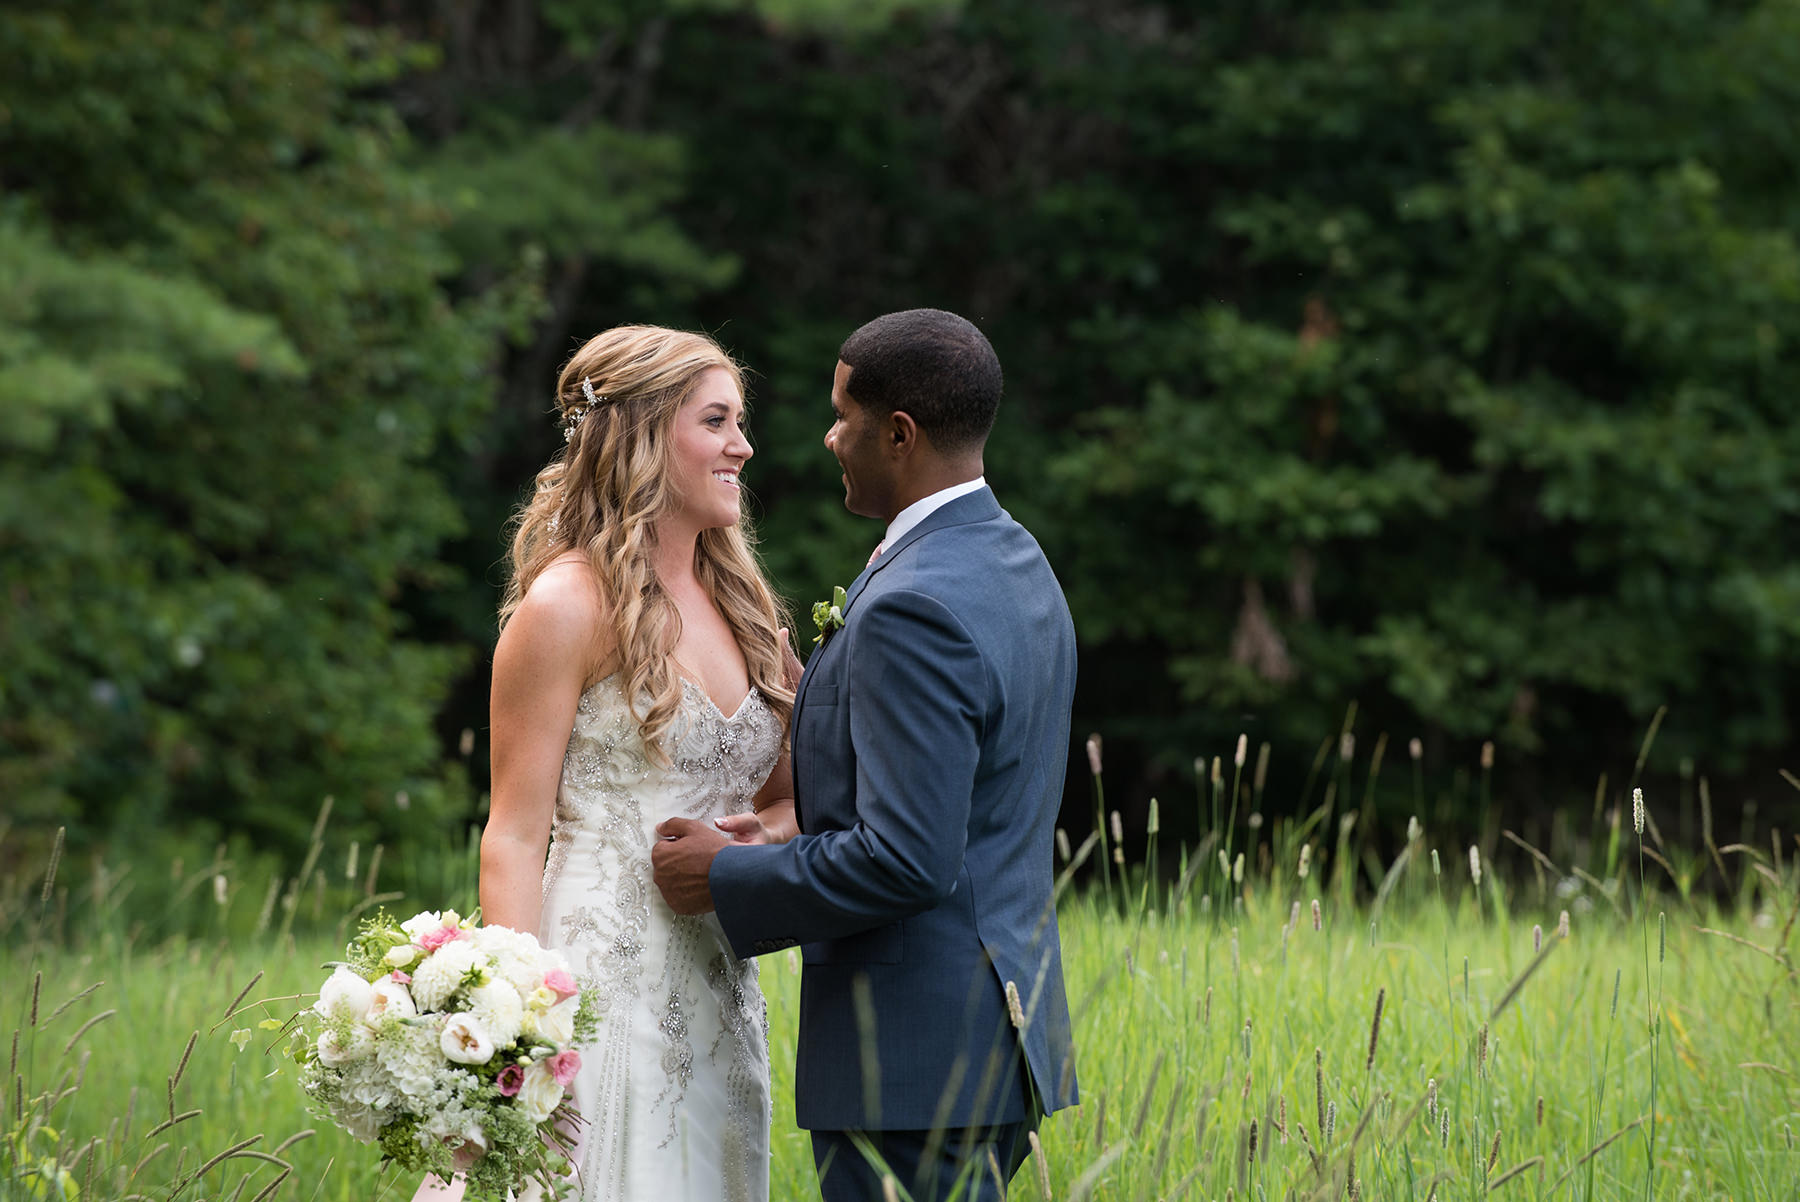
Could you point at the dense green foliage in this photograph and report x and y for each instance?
(1434, 356)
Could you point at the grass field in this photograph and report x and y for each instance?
(1234, 1042)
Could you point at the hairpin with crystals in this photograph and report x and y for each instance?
(580, 409)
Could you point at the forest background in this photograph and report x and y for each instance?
(1436, 358)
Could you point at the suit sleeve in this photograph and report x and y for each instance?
(916, 684)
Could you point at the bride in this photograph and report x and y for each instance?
(640, 675)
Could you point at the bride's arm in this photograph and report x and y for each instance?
(540, 666)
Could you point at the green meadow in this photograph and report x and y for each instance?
(1245, 1031)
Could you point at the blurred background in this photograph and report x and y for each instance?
(1422, 370)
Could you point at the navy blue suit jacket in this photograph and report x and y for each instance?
(930, 738)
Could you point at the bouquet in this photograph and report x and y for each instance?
(453, 1046)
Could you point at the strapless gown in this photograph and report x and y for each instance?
(674, 1090)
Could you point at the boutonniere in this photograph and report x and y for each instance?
(829, 615)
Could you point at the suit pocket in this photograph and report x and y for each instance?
(883, 945)
(824, 696)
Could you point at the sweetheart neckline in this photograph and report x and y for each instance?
(690, 683)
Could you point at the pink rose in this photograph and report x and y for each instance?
(563, 1067)
(432, 940)
(559, 982)
(403, 978)
(511, 1078)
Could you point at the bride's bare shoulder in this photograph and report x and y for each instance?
(564, 615)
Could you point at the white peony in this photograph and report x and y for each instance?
(344, 995)
(342, 1045)
(442, 973)
(390, 999)
(465, 1041)
(498, 1007)
(540, 1094)
(516, 956)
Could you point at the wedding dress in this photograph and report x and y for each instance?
(674, 1090)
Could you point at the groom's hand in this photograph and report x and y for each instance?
(681, 859)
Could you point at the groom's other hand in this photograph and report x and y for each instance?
(681, 860)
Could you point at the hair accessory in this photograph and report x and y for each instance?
(580, 409)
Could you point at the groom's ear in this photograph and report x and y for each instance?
(903, 434)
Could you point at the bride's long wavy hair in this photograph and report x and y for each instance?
(603, 496)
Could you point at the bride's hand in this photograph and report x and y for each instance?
(744, 828)
(791, 667)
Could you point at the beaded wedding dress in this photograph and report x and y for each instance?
(674, 1090)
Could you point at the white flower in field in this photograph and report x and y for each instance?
(540, 1094)
(442, 973)
(500, 1010)
(390, 999)
(465, 1040)
(343, 1044)
(344, 995)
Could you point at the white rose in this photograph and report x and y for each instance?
(557, 1024)
(344, 995)
(501, 1012)
(540, 1094)
(352, 1045)
(390, 998)
(465, 1041)
(421, 924)
(400, 956)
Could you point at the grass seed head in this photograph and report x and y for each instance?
(1415, 749)
(1014, 1010)
(1444, 1126)
(1562, 925)
(1242, 753)
(1237, 870)
(1375, 1029)
(1093, 753)
(1431, 1096)
(1062, 845)
(1637, 810)
(1481, 1051)
(1318, 916)
(1537, 938)
(1475, 864)
(1494, 1152)
(1118, 828)
(1487, 756)
(1305, 860)
(1043, 1166)
(1540, 1110)
(1436, 868)
(1155, 823)
(1346, 747)
(1330, 1120)
(1413, 829)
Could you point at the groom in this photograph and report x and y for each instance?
(930, 735)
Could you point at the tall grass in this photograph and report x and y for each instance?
(1314, 1024)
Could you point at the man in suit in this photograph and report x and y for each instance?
(930, 737)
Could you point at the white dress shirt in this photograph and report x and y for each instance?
(923, 508)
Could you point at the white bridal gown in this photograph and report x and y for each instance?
(674, 1089)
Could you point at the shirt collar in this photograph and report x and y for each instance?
(924, 507)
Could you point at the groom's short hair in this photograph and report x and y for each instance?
(933, 365)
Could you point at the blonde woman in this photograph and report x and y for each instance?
(642, 674)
